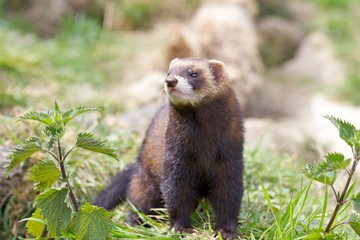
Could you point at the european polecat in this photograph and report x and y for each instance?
(193, 149)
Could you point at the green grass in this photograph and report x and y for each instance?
(81, 56)
(279, 203)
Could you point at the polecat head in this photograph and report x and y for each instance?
(191, 81)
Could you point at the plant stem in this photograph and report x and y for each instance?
(340, 201)
(53, 155)
(69, 152)
(335, 193)
(65, 178)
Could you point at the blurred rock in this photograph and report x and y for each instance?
(301, 11)
(139, 119)
(280, 38)
(279, 137)
(45, 16)
(315, 61)
(288, 88)
(273, 8)
(278, 98)
(223, 31)
(249, 5)
(307, 134)
(147, 90)
(322, 130)
(141, 99)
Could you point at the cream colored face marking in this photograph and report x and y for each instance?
(182, 93)
(183, 85)
(181, 90)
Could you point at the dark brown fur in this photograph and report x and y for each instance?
(190, 152)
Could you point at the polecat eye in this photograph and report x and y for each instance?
(194, 75)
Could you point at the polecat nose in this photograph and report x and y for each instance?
(171, 82)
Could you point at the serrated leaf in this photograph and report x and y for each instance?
(55, 132)
(69, 114)
(357, 141)
(68, 234)
(354, 222)
(56, 106)
(317, 234)
(356, 202)
(21, 152)
(45, 174)
(90, 142)
(332, 236)
(37, 116)
(92, 223)
(57, 118)
(50, 143)
(335, 161)
(318, 173)
(35, 225)
(54, 209)
(314, 235)
(347, 131)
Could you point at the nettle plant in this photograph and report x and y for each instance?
(326, 172)
(58, 213)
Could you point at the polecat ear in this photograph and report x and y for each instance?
(173, 61)
(218, 69)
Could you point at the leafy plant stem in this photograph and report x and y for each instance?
(341, 200)
(53, 216)
(65, 178)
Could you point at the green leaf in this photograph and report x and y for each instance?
(356, 202)
(21, 152)
(314, 235)
(56, 117)
(325, 171)
(69, 114)
(332, 236)
(90, 142)
(68, 233)
(37, 116)
(347, 131)
(45, 173)
(55, 131)
(92, 223)
(55, 209)
(50, 143)
(318, 173)
(354, 222)
(35, 225)
(317, 234)
(335, 161)
(357, 141)
(56, 107)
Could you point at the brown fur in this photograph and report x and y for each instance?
(193, 149)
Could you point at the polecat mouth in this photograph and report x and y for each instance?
(174, 91)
